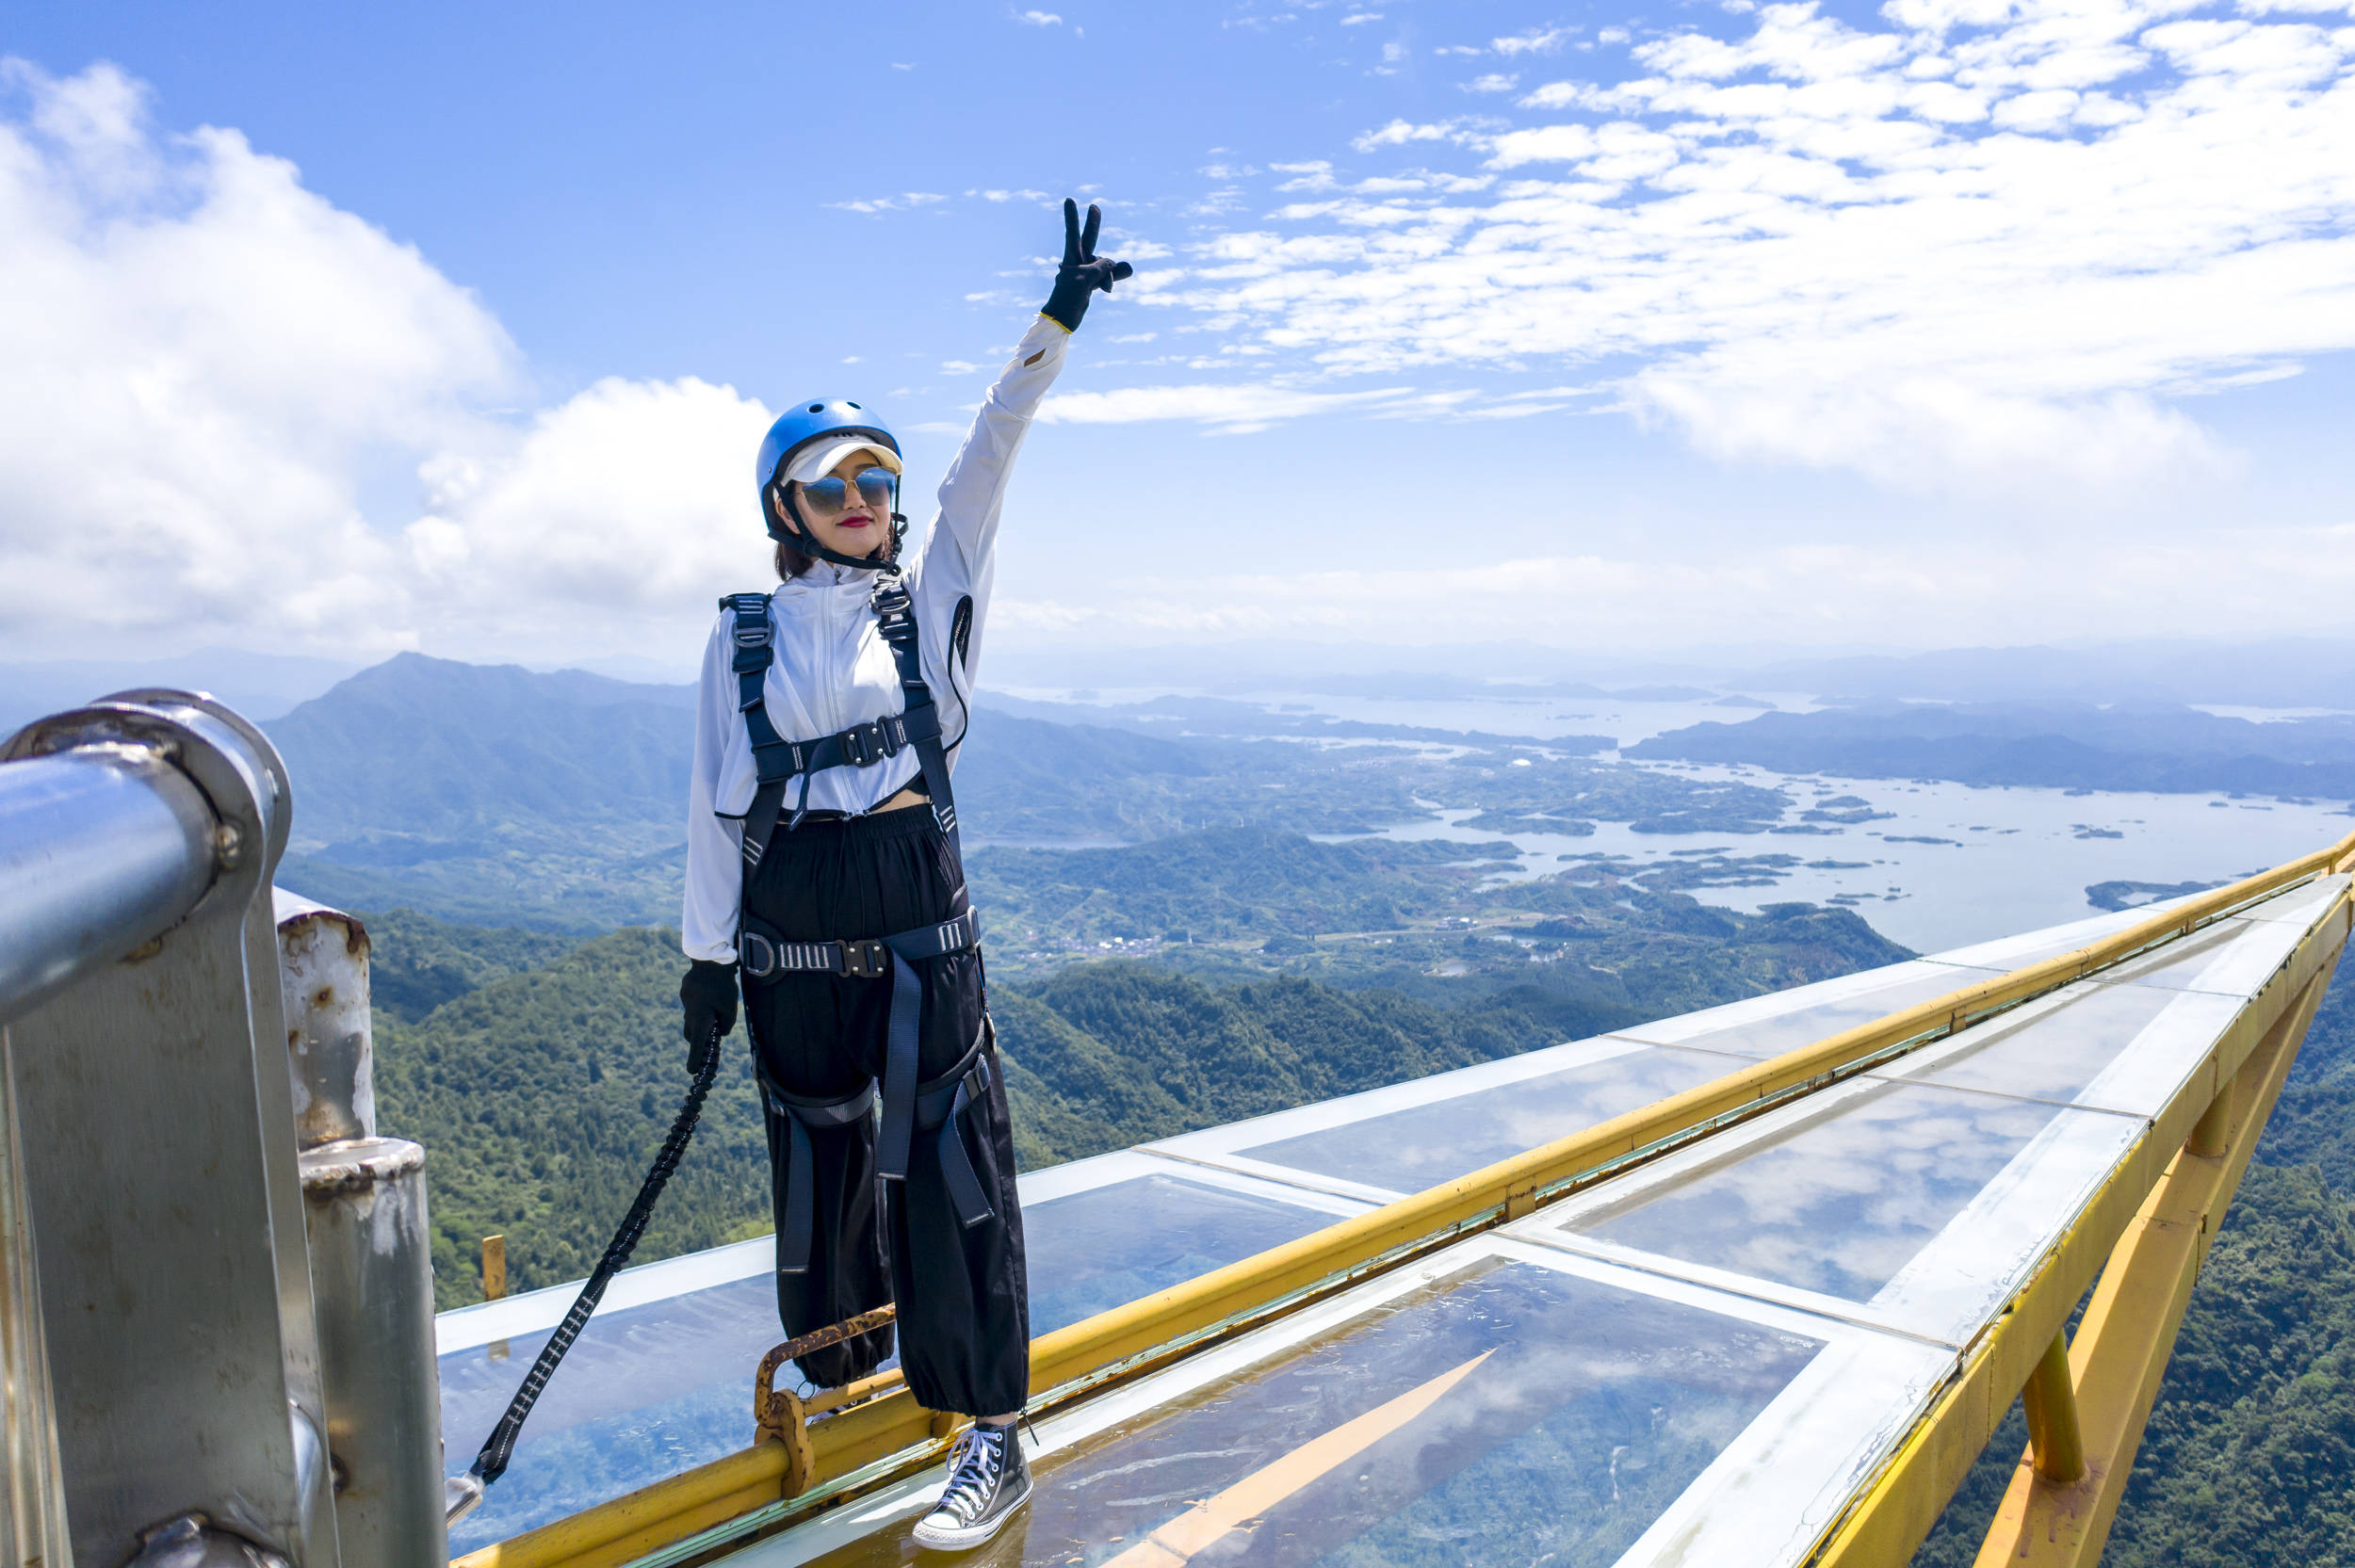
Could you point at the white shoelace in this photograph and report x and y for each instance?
(973, 1479)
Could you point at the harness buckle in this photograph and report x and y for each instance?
(749, 945)
(859, 745)
(891, 733)
(894, 611)
(867, 960)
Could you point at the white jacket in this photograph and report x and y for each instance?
(832, 670)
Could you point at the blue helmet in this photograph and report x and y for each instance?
(819, 419)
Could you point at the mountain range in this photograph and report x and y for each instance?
(2053, 745)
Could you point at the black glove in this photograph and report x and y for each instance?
(1082, 273)
(708, 993)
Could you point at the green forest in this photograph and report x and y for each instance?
(540, 1070)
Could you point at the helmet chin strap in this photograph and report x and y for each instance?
(799, 534)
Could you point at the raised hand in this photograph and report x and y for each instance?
(1083, 271)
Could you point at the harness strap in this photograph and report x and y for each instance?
(801, 1172)
(941, 1105)
(938, 1106)
(900, 1087)
(895, 622)
(778, 761)
(762, 955)
(755, 650)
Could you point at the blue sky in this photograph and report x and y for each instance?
(1951, 321)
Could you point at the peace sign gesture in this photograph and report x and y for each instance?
(1083, 271)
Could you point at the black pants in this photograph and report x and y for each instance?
(963, 1317)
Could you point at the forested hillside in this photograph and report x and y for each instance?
(544, 1071)
(495, 795)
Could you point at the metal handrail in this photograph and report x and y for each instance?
(886, 1424)
(158, 1262)
(102, 848)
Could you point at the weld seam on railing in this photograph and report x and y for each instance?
(1076, 1358)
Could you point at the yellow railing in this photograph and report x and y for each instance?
(879, 1421)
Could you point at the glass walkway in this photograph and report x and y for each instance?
(1721, 1355)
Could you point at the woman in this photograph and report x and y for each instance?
(823, 875)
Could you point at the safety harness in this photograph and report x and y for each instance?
(779, 762)
(764, 955)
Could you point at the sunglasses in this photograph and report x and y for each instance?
(875, 488)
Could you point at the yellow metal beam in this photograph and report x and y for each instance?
(2212, 1133)
(2053, 1521)
(2057, 1443)
(888, 1423)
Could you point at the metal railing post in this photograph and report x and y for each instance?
(32, 1493)
(139, 981)
(372, 1254)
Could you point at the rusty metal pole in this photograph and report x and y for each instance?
(371, 1255)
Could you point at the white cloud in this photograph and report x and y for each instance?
(1228, 409)
(1492, 82)
(1038, 19)
(1536, 41)
(1358, 18)
(203, 356)
(902, 202)
(1398, 133)
(1982, 245)
(630, 499)
(1907, 592)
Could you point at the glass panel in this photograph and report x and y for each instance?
(2302, 904)
(1420, 1146)
(1509, 1413)
(2007, 953)
(659, 1388)
(1836, 1196)
(2121, 1047)
(1097, 1249)
(645, 1393)
(1769, 1026)
(2235, 957)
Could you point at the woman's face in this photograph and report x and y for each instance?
(856, 524)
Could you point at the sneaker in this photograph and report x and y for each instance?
(988, 1479)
